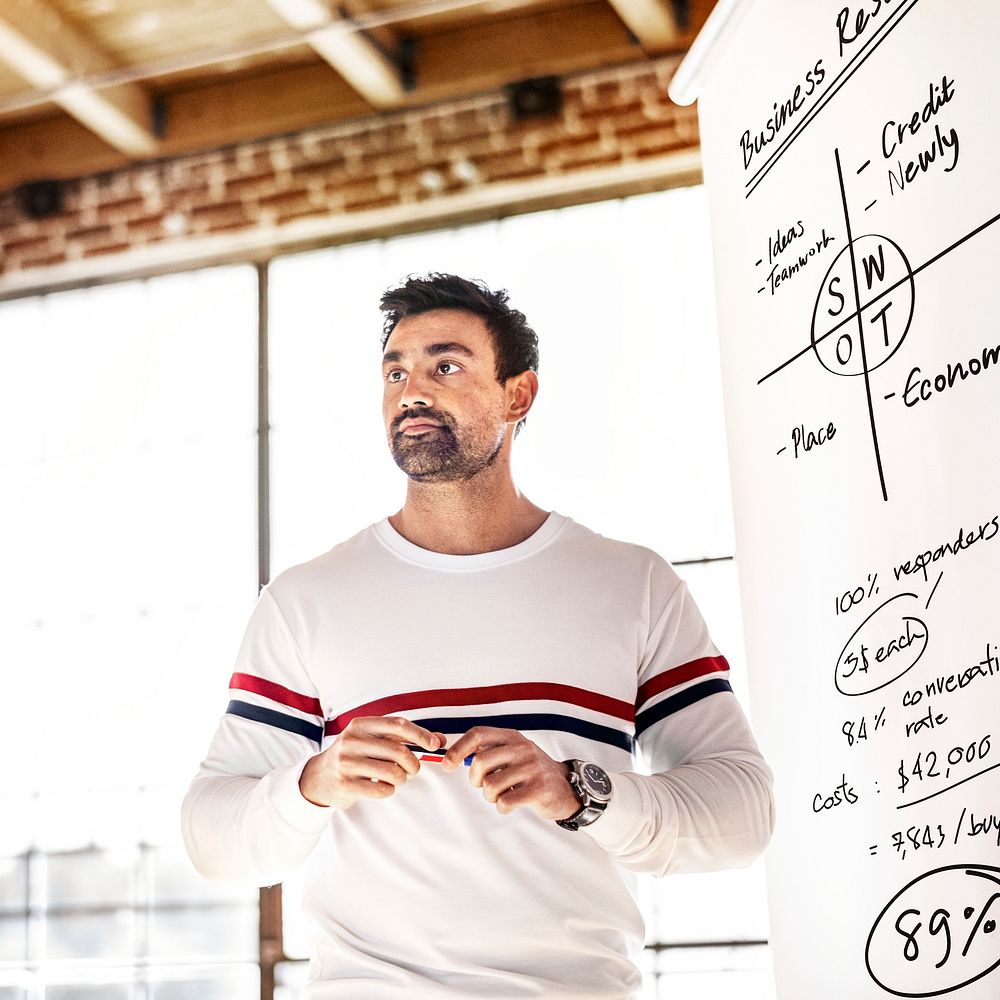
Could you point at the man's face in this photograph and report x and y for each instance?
(443, 407)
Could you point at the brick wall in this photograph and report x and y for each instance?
(617, 131)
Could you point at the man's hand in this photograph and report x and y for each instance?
(368, 759)
(513, 772)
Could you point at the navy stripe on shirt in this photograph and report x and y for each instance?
(678, 701)
(279, 720)
(533, 720)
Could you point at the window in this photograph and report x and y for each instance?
(130, 562)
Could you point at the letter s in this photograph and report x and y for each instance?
(835, 281)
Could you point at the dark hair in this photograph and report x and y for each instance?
(515, 344)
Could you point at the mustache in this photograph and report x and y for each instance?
(421, 414)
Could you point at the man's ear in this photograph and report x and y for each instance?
(522, 390)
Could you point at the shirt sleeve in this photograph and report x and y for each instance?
(243, 817)
(708, 803)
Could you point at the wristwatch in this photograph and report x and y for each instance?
(593, 788)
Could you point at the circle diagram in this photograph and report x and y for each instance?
(885, 285)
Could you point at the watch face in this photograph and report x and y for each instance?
(597, 780)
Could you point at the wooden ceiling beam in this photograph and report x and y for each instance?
(50, 54)
(227, 112)
(462, 61)
(492, 53)
(355, 56)
(651, 21)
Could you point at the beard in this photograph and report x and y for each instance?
(445, 454)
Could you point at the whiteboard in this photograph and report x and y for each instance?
(852, 158)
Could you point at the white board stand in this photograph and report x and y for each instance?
(852, 157)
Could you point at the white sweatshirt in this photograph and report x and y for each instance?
(593, 649)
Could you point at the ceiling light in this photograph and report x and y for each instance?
(431, 180)
(465, 171)
(175, 224)
(146, 23)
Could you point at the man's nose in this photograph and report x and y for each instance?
(417, 392)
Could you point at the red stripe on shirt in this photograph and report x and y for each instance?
(678, 675)
(529, 691)
(247, 682)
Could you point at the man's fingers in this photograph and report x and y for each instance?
(400, 730)
(378, 770)
(489, 760)
(502, 780)
(476, 739)
(514, 798)
(357, 750)
(397, 729)
(366, 788)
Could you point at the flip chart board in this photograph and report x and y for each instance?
(851, 154)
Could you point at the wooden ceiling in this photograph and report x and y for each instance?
(90, 85)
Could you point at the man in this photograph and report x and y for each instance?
(534, 650)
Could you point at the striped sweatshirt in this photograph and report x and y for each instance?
(590, 647)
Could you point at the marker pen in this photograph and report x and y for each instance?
(434, 755)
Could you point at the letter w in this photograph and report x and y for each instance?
(868, 263)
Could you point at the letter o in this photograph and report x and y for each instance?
(850, 347)
(977, 369)
(940, 383)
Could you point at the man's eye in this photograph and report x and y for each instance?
(391, 376)
(448, 364)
